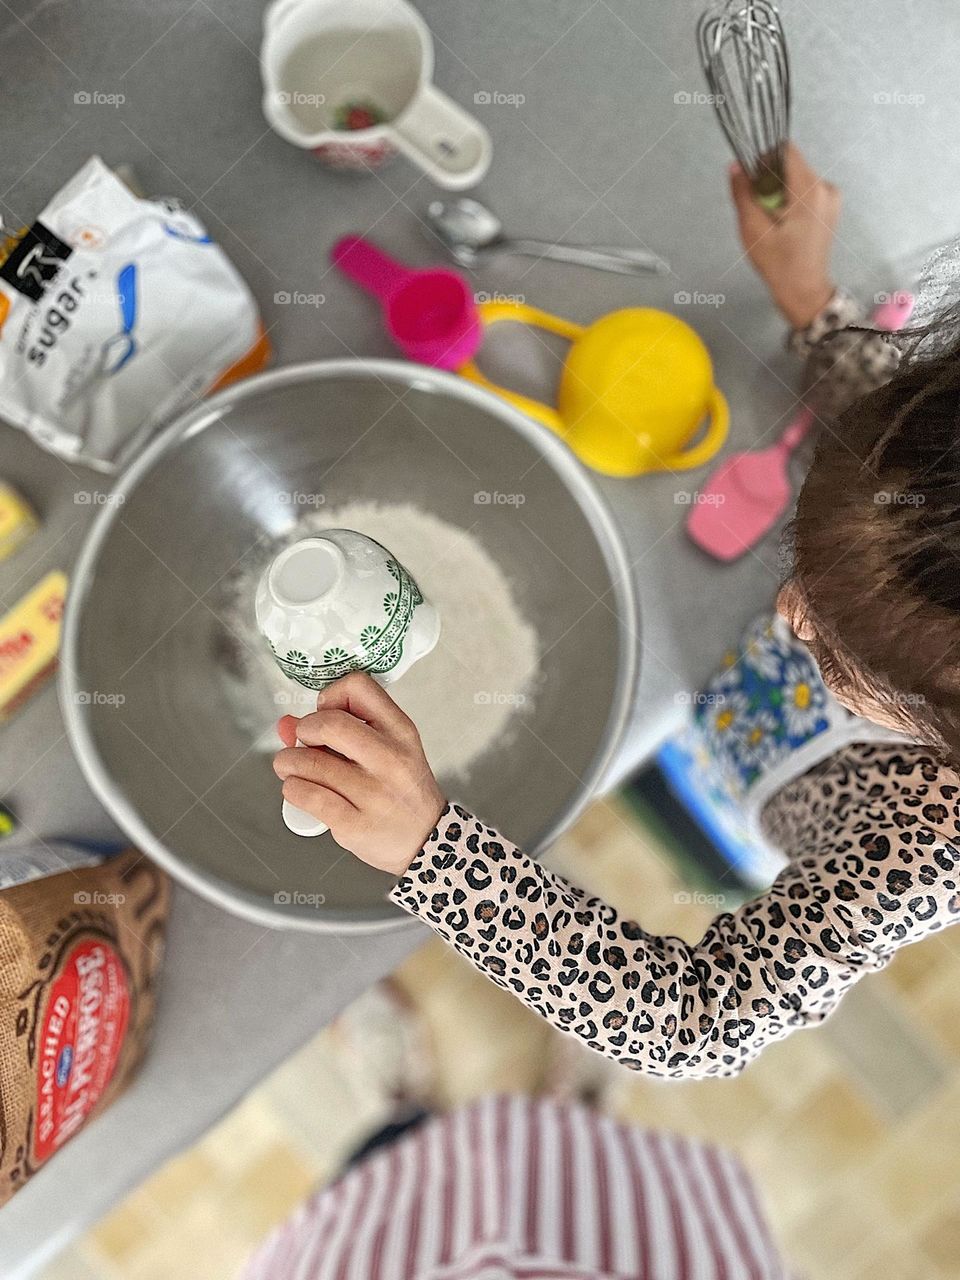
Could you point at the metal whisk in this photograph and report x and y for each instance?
(744, 55)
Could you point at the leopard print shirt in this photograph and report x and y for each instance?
(876, 836)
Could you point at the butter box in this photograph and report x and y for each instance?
(17, 521)
(30, 641)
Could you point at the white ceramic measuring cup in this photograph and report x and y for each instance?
(337, 603)
(351, 81)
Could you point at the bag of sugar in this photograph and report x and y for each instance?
(115, 311)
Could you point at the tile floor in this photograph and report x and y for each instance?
(852, 1130)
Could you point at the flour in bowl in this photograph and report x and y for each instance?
(464, 696)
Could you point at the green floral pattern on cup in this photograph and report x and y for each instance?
(381, 643)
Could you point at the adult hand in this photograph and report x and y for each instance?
(362, 771)
(791, 251)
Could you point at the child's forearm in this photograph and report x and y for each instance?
(876, 838)
(655, 1004)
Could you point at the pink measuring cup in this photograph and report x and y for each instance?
(431, 314)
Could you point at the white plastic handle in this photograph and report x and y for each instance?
(299, 821)
(446, 142)
(279, 10)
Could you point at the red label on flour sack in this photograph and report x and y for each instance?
(79, 1042)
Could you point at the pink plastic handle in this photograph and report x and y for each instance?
(796, 430)
(894, 312)
(369, 267)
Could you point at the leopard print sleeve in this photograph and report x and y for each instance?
(845, 358)
(670, 1008)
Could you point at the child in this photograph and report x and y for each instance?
(869, 814)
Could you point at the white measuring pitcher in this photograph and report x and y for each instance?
(351, 81)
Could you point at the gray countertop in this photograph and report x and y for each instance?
(603, 147)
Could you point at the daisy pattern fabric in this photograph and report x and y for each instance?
(765, 718)
(767, 701)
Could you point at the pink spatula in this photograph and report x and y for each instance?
(748, 493)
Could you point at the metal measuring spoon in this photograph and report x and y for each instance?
(471, 231)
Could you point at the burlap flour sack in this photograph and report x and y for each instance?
(79, 958)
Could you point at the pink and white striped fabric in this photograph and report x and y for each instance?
(535, 1190)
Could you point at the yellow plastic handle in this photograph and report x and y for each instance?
(493, 312)
(685, 459)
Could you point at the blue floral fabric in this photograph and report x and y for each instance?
(765, 703)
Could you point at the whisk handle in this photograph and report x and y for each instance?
(772, 201)
(770, 188)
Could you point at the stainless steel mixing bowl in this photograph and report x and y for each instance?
(146, 650)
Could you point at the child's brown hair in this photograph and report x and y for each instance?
(876, 545)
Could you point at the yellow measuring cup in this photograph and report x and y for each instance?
(636, 388)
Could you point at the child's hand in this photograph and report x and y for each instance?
(792, 251)
(372, 785)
